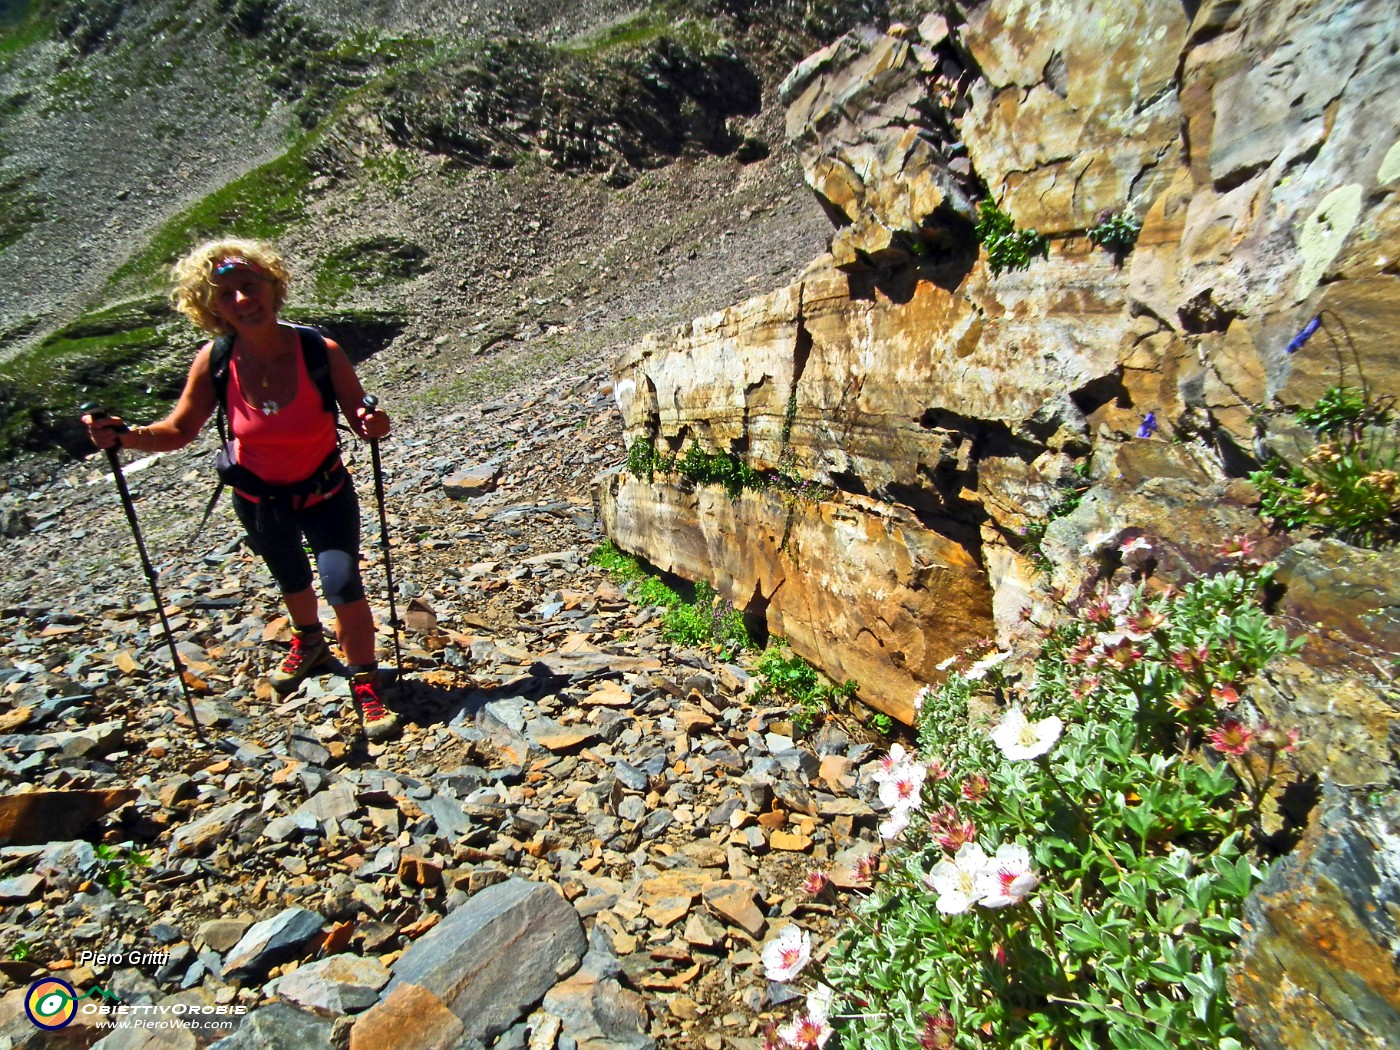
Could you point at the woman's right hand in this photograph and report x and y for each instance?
(104, 430)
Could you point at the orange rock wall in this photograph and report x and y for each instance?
(945, 406)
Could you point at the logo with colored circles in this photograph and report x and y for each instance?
(51, 1003)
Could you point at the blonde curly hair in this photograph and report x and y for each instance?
(194, 278)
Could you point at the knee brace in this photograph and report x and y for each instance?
(340, 577)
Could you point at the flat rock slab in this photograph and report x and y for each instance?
(493, 958)
(342, 984)
(449, 816)
(95, 740)
(206, 832)
(221, 934)
(409, 1018)
(336, 803)
(683, 882)
(551, 736)
(736, 902)
(20, 889)
(15, 719)
(278, 1027)
(596, 1011)
(269, 942)
(609, 694)
(472, 481)
(56, 816)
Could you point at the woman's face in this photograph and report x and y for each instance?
(244, 299)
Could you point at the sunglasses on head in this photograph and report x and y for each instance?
(234, 262)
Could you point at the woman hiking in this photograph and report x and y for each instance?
(279, 385)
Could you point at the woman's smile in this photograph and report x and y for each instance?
(244, 299)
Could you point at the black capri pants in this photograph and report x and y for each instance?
(331, 528)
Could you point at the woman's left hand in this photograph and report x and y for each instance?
(374, 422)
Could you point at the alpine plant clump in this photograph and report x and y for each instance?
(1067, 855)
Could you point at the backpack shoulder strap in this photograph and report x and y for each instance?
(318, 365)
(220, 358)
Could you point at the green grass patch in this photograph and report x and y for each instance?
(75, 86)
(650, 590)
(120, 357)
(644, 28)
(616, 562)
(262, 204)
(704, 621)
(394, 169)
(21, 27)
(368, 263)
(327, 76)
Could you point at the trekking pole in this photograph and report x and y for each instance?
(371, 402)
(95, 412)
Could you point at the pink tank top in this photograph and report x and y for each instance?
(285, 444)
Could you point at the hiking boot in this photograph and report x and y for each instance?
(309, 651)
(380, 723)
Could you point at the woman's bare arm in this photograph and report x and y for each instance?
(351, 395)
(197, 403)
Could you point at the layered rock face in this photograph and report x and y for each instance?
(1317, 965)
(945, 406)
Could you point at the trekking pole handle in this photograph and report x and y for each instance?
(96, 410)
(370, 402)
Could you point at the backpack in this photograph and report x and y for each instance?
(318, 367)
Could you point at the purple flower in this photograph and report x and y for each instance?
(1302, 337)
(1149, 425)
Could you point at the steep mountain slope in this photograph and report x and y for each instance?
(412, 159)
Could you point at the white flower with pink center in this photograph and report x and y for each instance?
(892, 762)
(894, 825)
(1021, 739)
(903, 787)
(811, 1028)
(956, 881)
(804, 1032)
(1007, 878)
(787, 953)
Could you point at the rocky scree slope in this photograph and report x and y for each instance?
(116, 134)
(551, 736)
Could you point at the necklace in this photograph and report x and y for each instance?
(263, 376)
